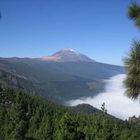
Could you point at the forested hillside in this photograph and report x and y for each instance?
(24, 117)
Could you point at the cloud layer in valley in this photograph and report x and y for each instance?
(115, 100)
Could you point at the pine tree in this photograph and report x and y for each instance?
(132, 62)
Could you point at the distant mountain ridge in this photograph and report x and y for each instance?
(73, 76)
(68, 55)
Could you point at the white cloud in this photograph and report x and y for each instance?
(115, 100)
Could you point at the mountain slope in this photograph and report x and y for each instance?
(59, 80)
(68, 55)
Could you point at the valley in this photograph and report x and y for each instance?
(61, 80)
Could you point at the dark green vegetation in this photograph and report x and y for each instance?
(60, 80)
(134, 13)
(24, 117)
(132, 62)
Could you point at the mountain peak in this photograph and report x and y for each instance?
(68, 49)
(68, 55)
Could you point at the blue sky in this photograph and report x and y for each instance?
(35, 28)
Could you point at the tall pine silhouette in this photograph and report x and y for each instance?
(132, 62)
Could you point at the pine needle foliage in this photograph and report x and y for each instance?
(132, 63)
(134, 13)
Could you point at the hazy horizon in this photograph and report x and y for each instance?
(58, 51)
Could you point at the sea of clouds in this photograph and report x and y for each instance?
(116, 102)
